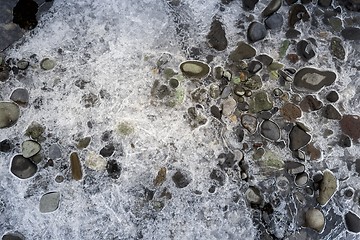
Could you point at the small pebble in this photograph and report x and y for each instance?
(9, 114)
(113, 169)
(47, 64)
(49, 202)
(328, 186)
(314, 219)
(332, 96)
(23, 168)
(181, 179)
(352, 222)
(75, 164)
(30, 148)
(20, 96)
(256, 32)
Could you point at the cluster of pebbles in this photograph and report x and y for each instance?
(258, 104)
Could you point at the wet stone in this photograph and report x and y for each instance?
(249, 4)
(249, 122)
(332, 96)
(328, 187)
(330, 112)
(301, 179)
(5, 145)
(107, 150)
(270, 130)
(89, 100)
(265, 59)
(160, 177)
(13, 236)
(242, 51)
(292, 34)
(217, 37)
(275, 21)
(313, 79)
(304, 50)
(9, 114)
(75, 164)
(54, 152)
(298, 138)
(219, 176)
(22, 64)
(314, 219)
(350, 126)
(181, 179)
(271, 8)
(113, 169)
(351, 33)
(256, 32)
(47, 64)
(352, 222)
(344, 141)
(260, 102)
(294, 168)
(195, 69)
(22, 168)
(35, 130)
(290, 112)
(20, 96)
(215, 111)
(298, 13)
(30, 148)
(337, 49)
(310, 103)
(49, 202)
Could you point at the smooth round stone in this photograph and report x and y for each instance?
(350, 126)
(9, 114)
(298, 138)
(270, 130)
(107, 150)
(59, 179)
(297, 13)
(275, 21)
(315, 219)
(328, 187)
(22, 64)
(22, 167)
(20, 96)
(249, 122)
(301, 179)
(242, 51)
(13, 236)
(290, 112)
(49, 202)
(313, 79)
(272, 7)
(332, 96)
(310, 103)
(304, 50)
(217, 37)
(330, 112)
(181, 179)
(352, 222)
(351, 33)
(215, 111)
(47, 64)
(265, 59)
(55, 152)
(254, 66)
(256, 32)
(113, 169)
(195, 69)
(174, 83)
(30, 148)
(249, 4)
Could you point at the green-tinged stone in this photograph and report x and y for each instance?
(9, 114)
(253, 82)
(49, 202)
(236, 80)
(195, 69)
(260, 102)
(30, 148)
(168, 73)
(35, 130)
(179, 96)
(272, 160)
(125, 128)
(274, 66)
(328, 187)
(283, 48)
(47, 64)
(83, 142)
(214, 91)
(75, 164)
(336, 24)
(274, 75)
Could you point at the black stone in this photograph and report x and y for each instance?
(22, 167)
(357, 166)
(180, 179)
(351, 33)
(265, 59)
(290, 2)
(313, 79)
(239, 132)
(107, 150)
(249, 4)
(298, 12)
(352, 222)
(5, 145)
(113, 169)
(227, 160)
(324, 3)
(332, 96)
(215, 111)
(344, 141)
(337, 49)
(254, 66)
(275, 21)
(256, 32)
(352, 5)
(292, 33)
(298, 138)
(218, 176)
(242, 51)
(330, 112)
(217, 37)
(271, 8)
(304, 50)
(13, 236)
(24, 14)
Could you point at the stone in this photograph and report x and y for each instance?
(298, 138)
(265, 59)
(344, 141)
(20, 96)
(125, 128)
(160, 177)
(304, 50)
(312, 79)
(253, 195)
(254, 67)
(215, 111)
(249, 4)
(292, 57)
(54, 152)
(335, 23)
(350, 126)
(352, 222)
(294, 168)
(301, 179)
(181, 179)
(217, 37)
(113, 169)
(330, 112)
(174, 83)
(270, 130)
(163, 59)
(22, 168)
(249, 122)
(22, 64)
(13, 236)
(47, 64)
(324, 3)
(4, 73)
(30, 148)
(83, 142)
(310, 103)
(292, 34)
(290, 112)
(332, 96)
(95, 162)
(89, 100)
(272, 7)
(75, 165)
(312, 151)
(9, 114)
(228, 106)
(219, 176)
(275, 21)
(328, 186)
(298, 13)
(351, 5)
(49, 202)
(253, 83)
(351, 33)
(314, 219)
(214, 91)
(5, 145)
(337, 49)
(256, 32)
(242, 51)
(195, 69)
(35, 130)
(260, 102)
(107, 150)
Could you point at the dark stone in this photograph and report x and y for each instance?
(298, 138)
(242, 51)
(218, 176)
(254, 66)
(180, 179)
(350, 126)
(352, 5)
(249, 4)
(298, 12)
(215, 111)
(20, 96)
(227, 160)
(24, 14)
(313, 79)
(107, 150)
(337, 49)
(330, 112)
(239, 132)
(351, 33)
(89, 100)
(304, 50)
(105, 136)
(5, 145)
(217, 37)
(272, 7)
(13, 236)
(275, 21)
(270, 130)
(352, 222)
(22, 167)
(292, 33)
(306, 1)
(344, 141)
(324, 3)
(113, 169)
(256, 32)
(357, 166)
(310, 103)
(332, 96)
(290, 2)
(265, 59)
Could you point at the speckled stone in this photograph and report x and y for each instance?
(290, 112)
(260, 102)
(249, 122)
(337, 49)
(311, 79)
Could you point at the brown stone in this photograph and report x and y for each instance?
(76, 171)
(161, 177)
(310, 103)
(350, 125)
(313, 152)
(290, 112)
